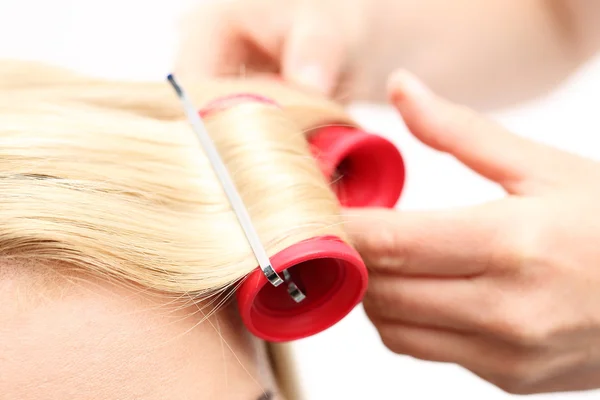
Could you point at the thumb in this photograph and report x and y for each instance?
(314, 52)
(482, 145)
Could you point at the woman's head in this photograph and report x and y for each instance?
(118, 245)
(68, 335)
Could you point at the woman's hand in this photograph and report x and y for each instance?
(314, 43)
(347, 48)
(510, 289)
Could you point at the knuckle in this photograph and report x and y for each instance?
(523, 320)
(530, 243)
(519, 326)
(382, 248)
(380, 242)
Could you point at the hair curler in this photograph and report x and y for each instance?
(365, 170)
(328, 271)
(303, 289)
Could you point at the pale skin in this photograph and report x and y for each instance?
(76, 337)
(510, 290)
(485, 54)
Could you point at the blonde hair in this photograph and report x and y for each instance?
(108, 177)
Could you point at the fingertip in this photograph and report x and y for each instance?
(421, 109)
(403, 86)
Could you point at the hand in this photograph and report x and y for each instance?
(347, 48)
(313, 43)
(510, 289)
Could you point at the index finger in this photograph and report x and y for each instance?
(453, 243)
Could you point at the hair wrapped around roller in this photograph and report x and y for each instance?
(108, 177)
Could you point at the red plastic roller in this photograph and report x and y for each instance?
(366, 170)
(328, 271)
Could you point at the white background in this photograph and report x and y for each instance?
(136, 39)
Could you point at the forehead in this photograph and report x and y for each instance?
(70, 337)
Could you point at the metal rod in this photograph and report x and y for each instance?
(232, 194)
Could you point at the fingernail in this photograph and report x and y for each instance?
(403, 84)
(312, 76)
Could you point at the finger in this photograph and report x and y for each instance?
(223, 38)
(313, 55)
(428, 344)
(494, 360)
(457, 243)
(455, 304)
(510, 160)
(580, 379)
(206, 37)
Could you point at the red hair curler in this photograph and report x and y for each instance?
(366, 170)
(328, 273)
(326, 269)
